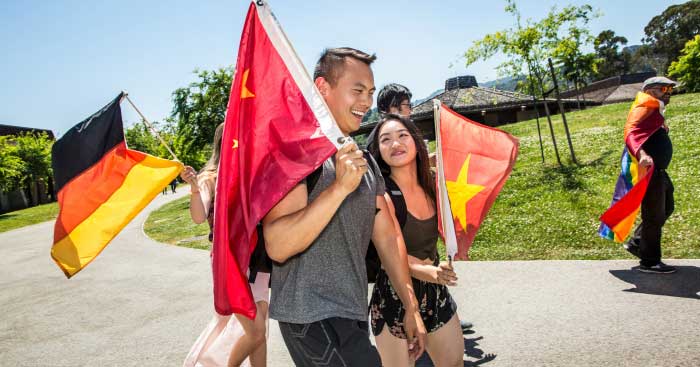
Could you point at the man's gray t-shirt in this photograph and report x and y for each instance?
(329, 278)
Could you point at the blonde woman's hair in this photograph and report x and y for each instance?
(212, 165)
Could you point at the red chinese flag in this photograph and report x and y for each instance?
(476, 161)
(278, 130)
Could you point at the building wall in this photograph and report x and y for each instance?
(40, 193)
(11, 201)
(526, 115)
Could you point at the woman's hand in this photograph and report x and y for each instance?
(189, 175)
(445, 274)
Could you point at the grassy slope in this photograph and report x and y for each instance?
(171, 223)
(547, 212)
(25, 217)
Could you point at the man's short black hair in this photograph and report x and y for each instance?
(332, 61)
(391, 96)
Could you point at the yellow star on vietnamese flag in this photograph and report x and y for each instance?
(245, 92)
(460, 192)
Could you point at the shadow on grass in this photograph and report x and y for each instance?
(567, 177)
(7, 216)
(685, 282)
(471, 350)
(570, 176)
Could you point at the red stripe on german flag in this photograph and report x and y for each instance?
(102, 186)
(93, 187)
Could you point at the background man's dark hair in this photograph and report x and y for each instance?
(391, 96)
(332, 61)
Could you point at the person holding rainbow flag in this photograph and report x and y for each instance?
(643, 181)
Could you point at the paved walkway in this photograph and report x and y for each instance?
(142, 303)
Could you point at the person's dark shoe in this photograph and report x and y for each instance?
(466, 326)
(659, 268)
(632, 249)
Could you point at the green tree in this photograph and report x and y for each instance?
(575, 66)
(11, 165)
(667, 33)
(139, 137)
(527, 49)
(198, 109)
(527, 46)
(611, 60)
(687, 68)
(35, 152)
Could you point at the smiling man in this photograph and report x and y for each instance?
(318, 236)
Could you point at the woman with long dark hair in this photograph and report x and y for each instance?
(397, 146)
(226, 340)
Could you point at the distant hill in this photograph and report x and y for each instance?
(371, 115)
(631, 49)
(416, 102)
(507, 83)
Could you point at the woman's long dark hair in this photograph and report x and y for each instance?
(425, 177)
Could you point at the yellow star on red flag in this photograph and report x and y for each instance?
(245, 92)
(460, 192)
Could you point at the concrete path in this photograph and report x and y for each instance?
(142, 303)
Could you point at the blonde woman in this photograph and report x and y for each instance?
(227, 340)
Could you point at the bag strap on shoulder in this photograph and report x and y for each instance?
(397, 199)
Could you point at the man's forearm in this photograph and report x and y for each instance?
(291, 234)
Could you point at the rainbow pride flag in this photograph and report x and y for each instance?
(617, 221)
(643, 120)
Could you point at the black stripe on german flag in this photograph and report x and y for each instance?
(87, 142)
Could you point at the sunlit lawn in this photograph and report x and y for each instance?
(25, 217)
(171, 224)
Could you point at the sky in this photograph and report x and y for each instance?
(63, 60)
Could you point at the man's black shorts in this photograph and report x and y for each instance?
(330, 342)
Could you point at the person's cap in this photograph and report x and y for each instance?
(658, 80)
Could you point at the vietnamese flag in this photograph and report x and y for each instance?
(277, 131)
(474, 162)
(102, 185)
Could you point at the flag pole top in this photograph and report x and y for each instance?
(148, 123)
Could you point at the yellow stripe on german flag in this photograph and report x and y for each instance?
(102, 185)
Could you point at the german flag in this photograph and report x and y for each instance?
(101, 184)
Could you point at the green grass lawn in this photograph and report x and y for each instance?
(25, 217)
(171, 224)
(548, 212)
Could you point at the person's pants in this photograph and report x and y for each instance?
(330, 342)
(657, 206)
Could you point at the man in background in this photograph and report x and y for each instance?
(656, 150)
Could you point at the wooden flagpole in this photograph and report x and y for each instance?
(126, 95)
